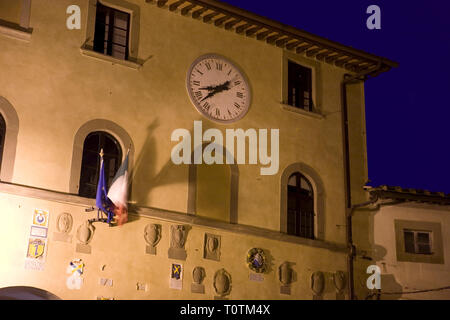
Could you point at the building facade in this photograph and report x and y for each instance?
(410, 243)
(126, 80)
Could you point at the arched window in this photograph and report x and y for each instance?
(2, 137)
(90, 163)
(300, 207)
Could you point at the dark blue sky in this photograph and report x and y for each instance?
(407, 108)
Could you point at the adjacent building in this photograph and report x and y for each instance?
(410, 242)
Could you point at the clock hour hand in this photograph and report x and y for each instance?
(209, 88)
(212, 93)
(217, 89)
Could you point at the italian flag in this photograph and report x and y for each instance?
(118, 193)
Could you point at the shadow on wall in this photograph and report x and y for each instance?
(143, 171)
(144, 177)
(390, 285)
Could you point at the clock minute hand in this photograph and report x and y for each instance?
(223, 87)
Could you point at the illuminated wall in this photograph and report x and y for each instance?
(56, 88)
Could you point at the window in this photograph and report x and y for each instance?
(300, 207)
(2, 137)
(418, 242)
(90, 164)
(299, 86)
(111, 35)
(9, 130)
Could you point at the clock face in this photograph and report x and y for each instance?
(218, 89)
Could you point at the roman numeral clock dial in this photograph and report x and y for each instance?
(218, 89)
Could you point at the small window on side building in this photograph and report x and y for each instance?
(417, 242)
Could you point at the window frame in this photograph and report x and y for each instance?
(101, 141)
(319, 199)
(416, 242)
(316, 84)
(308, 232)
(111, 26)
(293, 100)
(87, 48)
(2, 137)
(10, 140)
(434, 228)
(120, 134)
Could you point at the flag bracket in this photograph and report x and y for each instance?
(100, 218)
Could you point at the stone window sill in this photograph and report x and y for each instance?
(302, 112)
(15, 32)
(93, 54)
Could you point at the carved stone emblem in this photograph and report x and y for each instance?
(317, 283)
(256, 260)
(339, 280)
(212, 247)
(198, 275)
(85, 233)
(64, 225)
(286, 277)
(286, 274)
(65, 222)
(152, 235)
(222, 283)
(178, 235)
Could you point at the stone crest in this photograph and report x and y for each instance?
(85, 232)
(152, 235)
(286, 277)
(178, 234)
(64, 225)
(64, 222)
(222, 283)
(257, 260)
(340, 283)
(211, 248)
(198, 275)
(317, 284)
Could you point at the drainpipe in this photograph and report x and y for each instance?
(347, 187)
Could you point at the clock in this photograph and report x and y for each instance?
(218, 89)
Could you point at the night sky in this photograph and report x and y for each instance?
(407, 108)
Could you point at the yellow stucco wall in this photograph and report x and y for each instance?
(213, 191)
(122, 251)
(10, 10)
(55, 90)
